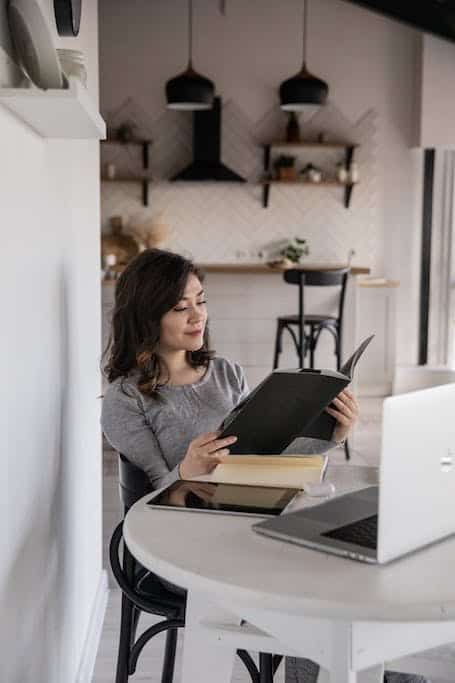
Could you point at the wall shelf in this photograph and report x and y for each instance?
(64, 114)
(348, 157)
(142, 178)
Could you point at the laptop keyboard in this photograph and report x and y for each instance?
(364, 532)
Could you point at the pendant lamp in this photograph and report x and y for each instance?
(189, 90)
(303, 92)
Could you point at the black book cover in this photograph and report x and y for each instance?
(286, 405)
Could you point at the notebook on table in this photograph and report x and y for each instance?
(277, 471)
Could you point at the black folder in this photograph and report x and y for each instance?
(286, 405)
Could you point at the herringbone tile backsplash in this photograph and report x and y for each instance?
(225, 221)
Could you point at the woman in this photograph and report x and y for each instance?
(168, 393)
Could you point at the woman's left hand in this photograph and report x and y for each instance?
(345, 409)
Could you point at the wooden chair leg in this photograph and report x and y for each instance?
(265, 668)
(338, 348)
(277, 350)
(124, 647)
(169, 656)
(134, 622)
(312, 346)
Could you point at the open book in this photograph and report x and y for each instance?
(286, 405)
(293, 471)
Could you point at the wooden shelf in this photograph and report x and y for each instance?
(127, 179)
(325, 145)
(263, 269)
(65, 113)
(141, 142)
(134, 141)
(333, 183)
(144, 179)
(348, 148)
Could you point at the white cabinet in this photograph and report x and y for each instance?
(375, 313)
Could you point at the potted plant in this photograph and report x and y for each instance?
(295, 249)
(284, 167)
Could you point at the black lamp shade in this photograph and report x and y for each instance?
(189, 90)
(303, 91)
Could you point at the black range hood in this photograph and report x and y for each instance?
(207, 164)
(431, 16)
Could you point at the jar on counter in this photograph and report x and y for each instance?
(342, 173)
(72, 64)
(354, 173)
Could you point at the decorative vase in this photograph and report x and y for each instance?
(151, 232)
(353, 173)
(342, 173)
(123, 246)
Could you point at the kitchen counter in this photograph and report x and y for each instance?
(264, 268)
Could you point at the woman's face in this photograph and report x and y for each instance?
(182, 328)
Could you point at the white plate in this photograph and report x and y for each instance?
(33, 42)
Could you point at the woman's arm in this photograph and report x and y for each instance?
(126, 429)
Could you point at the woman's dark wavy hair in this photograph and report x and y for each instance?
(150, 286)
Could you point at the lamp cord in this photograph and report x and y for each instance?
(304, 31)
(190, 32)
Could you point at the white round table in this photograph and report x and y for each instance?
(347, 616)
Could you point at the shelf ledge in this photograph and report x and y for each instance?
(64, 114)
(313, 143)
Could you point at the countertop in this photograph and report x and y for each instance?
(264, 268)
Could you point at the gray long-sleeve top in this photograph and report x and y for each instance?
(154, 433)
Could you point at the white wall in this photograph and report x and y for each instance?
(370, 63)
(437, 99)
(50, 564)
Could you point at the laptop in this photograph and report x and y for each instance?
(413, 505)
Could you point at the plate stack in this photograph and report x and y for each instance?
(45, 66)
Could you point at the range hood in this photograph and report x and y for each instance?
(207, 164)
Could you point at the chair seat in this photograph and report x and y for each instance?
(164, 596)
(309, 319)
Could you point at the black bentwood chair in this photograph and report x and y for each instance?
(306, 328)
(143, 591)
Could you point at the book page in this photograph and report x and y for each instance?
(348, 367)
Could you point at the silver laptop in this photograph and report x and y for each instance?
(413, 505)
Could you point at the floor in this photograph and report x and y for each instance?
(365, 449)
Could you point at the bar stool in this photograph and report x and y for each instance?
(306, 328)
(143, 591)
(309, 326)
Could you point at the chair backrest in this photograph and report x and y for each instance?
(133, 482)
(318, 278)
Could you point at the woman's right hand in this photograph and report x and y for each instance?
(204, 454)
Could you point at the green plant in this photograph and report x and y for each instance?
(126, 132)
(295, 249)
(284, 161)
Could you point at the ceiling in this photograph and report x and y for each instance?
(431, 16)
